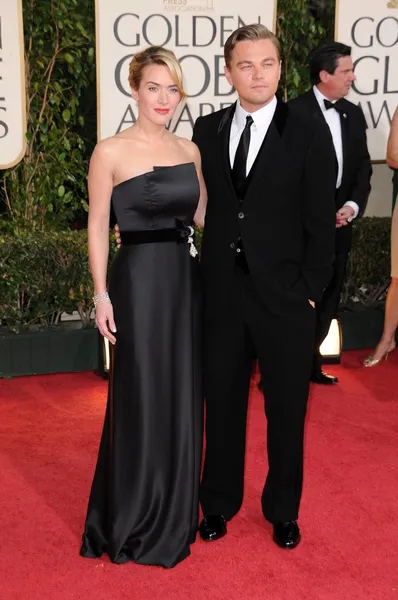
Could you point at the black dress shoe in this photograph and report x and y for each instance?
(287, 534)
(213, 527)
(323, 378)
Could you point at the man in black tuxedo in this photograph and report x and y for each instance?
(332, 74)
(267, 255)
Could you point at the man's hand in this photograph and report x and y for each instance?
(312, 303)
(117, 236)
(343, 215)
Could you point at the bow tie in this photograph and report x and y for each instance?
(336, 105)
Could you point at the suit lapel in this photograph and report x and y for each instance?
(269, 150)
(317, 113)
(224, 132)
(314, 107)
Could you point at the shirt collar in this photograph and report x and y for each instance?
(320, 98)
(261, 117)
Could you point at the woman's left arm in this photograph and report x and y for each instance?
(199, 217)
(392, 146)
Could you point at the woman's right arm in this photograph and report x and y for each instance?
(100, 184)
(392, 146)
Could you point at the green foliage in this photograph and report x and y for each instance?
(43, 274)
(48, 186)
(368, 268)
(301, 26)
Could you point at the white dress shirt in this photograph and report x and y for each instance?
(261, 121)
(332, 118)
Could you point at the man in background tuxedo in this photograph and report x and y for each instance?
(332, 74)
(267, 255)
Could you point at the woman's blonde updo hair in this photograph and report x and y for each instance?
(155, 55)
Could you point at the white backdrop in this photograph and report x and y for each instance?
(194, 29)
(12, 84)
(371, 28)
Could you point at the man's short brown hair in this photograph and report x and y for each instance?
(251, 33)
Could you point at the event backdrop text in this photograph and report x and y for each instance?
(195, 30)
(371, 28)
(12, 84)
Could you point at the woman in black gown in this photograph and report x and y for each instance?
(143, 505)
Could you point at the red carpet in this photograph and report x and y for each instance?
(49, 434)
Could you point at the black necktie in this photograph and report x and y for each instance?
(239, 168)
(336, 105)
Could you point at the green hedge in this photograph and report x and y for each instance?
(368, 269)
(44, 274)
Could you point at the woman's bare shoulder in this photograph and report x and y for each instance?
(189, 147)
(112, 145)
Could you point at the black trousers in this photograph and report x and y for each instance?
(284, 346)
(326, 310)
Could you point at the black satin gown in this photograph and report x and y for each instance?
(144, 502)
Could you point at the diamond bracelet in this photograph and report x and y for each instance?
(101, 297)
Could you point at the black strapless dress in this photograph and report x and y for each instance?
(144, 502)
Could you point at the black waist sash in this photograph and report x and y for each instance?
(178, 234)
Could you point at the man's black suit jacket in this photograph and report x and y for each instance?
(286, 220)
(357, 170)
